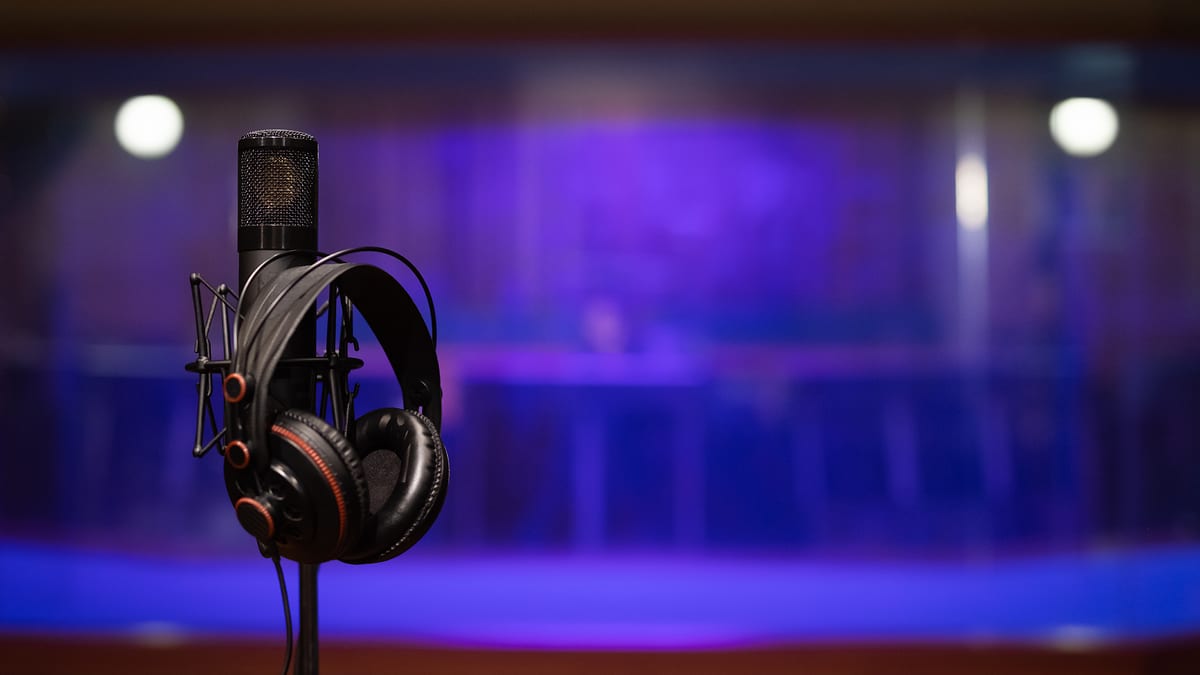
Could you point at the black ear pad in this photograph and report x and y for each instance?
(331, 480)
(419, 481)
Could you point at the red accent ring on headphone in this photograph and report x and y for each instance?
(338, 498)
(242, 388)
(241, 450)
(268, 531)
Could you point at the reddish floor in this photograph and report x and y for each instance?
(37, 655)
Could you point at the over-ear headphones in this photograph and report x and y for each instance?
(301, 485)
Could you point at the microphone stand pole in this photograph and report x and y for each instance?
(306, 655)
(341, 398)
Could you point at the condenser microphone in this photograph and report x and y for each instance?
(277, 212)
(277, 205)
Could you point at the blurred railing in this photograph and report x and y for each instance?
(768, 449)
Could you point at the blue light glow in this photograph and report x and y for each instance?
(616, 602)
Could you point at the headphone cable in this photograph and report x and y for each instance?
(287, 612)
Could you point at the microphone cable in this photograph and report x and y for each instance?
(287, 612)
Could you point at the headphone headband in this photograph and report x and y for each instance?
(382, 302)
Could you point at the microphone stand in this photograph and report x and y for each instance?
(306, 654)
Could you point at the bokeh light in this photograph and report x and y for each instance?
(149, 126)
(971, 193)
(1084, 127)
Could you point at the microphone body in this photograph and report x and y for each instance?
(277, 212)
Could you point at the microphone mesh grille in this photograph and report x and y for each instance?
(278, 133)
(277, 186)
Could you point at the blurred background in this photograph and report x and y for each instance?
(760, 326)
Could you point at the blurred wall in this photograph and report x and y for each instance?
(691, 298)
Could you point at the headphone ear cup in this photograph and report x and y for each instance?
(415, 488)
(332, 481)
